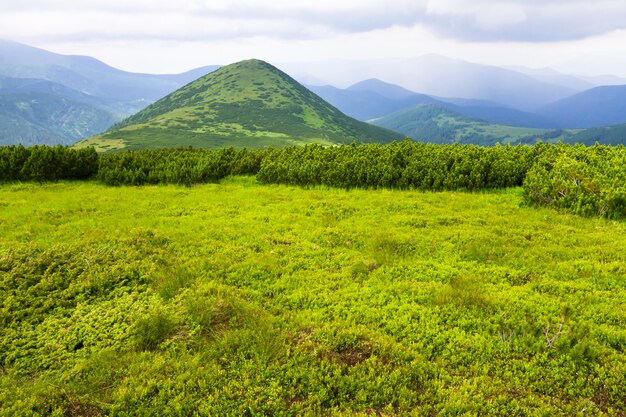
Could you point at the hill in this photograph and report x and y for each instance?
(608, 135)
(247, 104)
(436, 124)
(600, 106)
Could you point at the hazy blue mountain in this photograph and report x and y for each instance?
(364, 105)
(189, 76)
(88, 75)
(118, 109)
(600, 106)
(504, 115)
(436, 75)
(383, 88)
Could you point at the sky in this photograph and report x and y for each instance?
(586, 37)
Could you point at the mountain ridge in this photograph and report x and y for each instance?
(596, 107)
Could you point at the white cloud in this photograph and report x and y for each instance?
(470, 20)
(127, 32)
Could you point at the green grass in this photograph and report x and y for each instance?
(241, 299)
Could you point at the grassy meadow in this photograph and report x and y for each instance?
(248, 300)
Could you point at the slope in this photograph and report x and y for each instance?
(118, 110)
(247, 104)
(608, 135)
(600, 106)
(435, 124)
(41, 118)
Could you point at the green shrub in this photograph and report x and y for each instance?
(150, 331)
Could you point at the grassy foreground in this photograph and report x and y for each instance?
(240, 299)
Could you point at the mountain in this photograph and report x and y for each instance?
(600, 106)
(49, 98)
(247, 104)
(363, 104)
(33, 118)
(436, 124)
(88, 75)
(385, 98)
(388, 90)
(436, 75)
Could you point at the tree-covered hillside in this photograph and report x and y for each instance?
(43, 118)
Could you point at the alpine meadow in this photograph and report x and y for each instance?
(401, 292)
(418, 208)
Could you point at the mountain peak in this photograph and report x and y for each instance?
(246, 104)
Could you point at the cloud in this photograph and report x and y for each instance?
(464, 20)
(526, 21)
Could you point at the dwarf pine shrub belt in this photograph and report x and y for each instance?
(588, 181)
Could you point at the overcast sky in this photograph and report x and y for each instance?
(166, 36)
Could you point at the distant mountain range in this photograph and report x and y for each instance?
(600, 106)
(88, 75)
(248, 104)
(596, 107)
(439, 76)
(385, 98)
(51, 98)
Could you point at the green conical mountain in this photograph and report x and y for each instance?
(247, 104)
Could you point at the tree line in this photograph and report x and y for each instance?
(585, 180)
